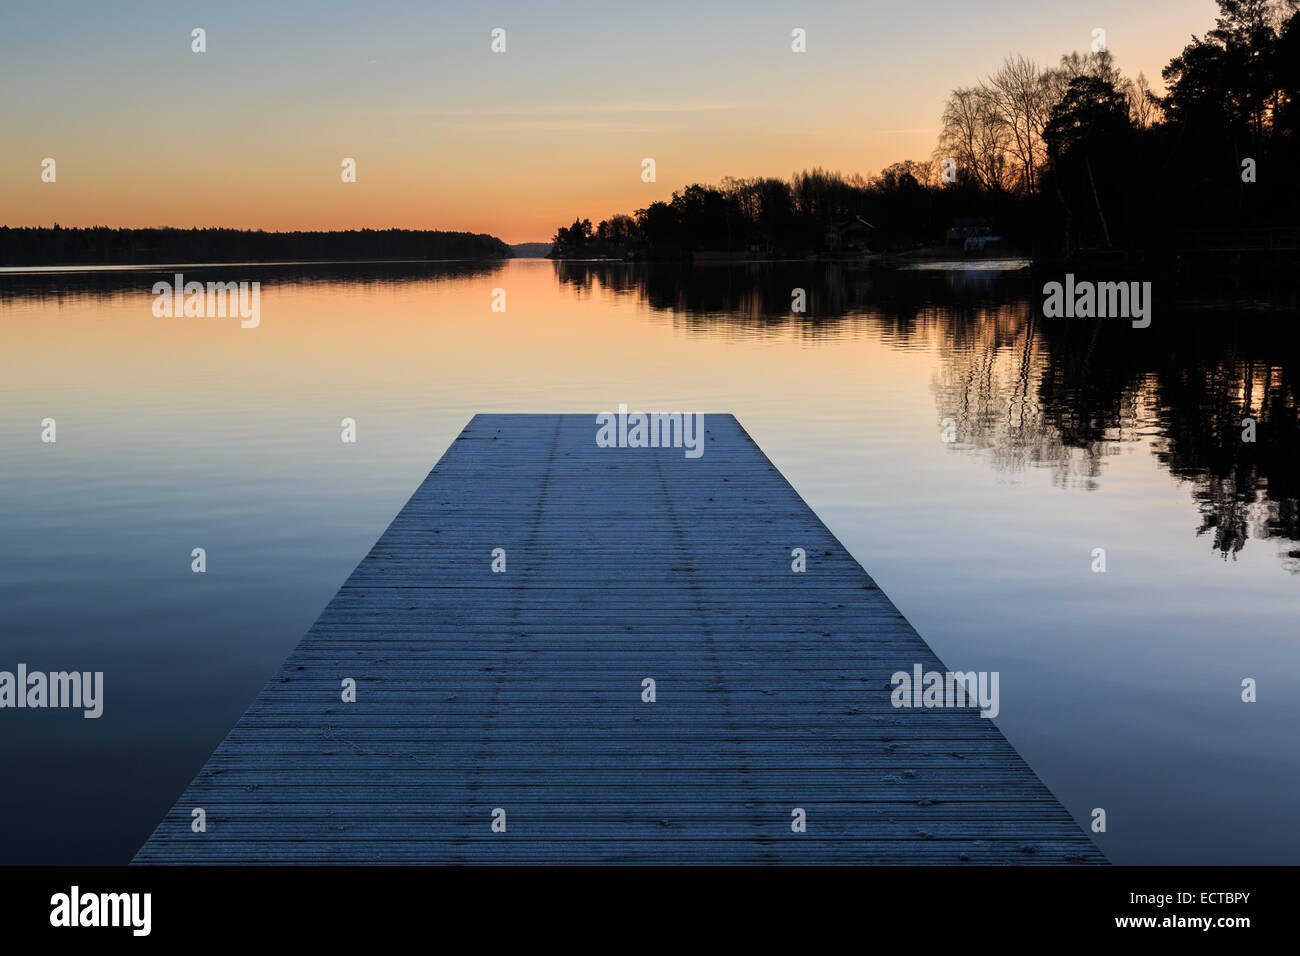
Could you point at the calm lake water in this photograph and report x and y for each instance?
(1122, 689)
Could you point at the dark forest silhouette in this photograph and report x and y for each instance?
(1058, 161)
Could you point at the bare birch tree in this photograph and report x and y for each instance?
(976, 136)
(1021, 97)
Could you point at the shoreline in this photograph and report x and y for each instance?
(138, 267)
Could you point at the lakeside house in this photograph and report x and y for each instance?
(760, 244)
(963, 229)
(850, 236)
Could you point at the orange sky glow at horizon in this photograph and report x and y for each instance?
(447, 135)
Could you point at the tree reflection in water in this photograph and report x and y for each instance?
(1029, 392)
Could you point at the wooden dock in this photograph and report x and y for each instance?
(479, 691)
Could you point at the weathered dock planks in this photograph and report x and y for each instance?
(523, 690)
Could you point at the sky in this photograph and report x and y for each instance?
(447, 134)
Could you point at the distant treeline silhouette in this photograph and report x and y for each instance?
(1062, 160)
(21, 246)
